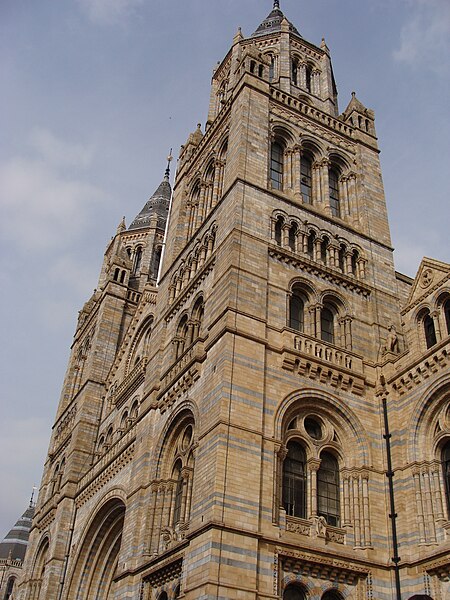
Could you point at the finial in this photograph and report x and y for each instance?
(32, 496)
(276, 4)
(353, 94)
(169, 159)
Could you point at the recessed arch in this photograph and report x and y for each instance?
(95, 566)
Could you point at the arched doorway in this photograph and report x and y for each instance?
(97, 559)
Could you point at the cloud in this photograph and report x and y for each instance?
(41, 199)
(108, 12)
(425, 37)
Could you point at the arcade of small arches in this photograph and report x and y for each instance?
(127, 419)
(433, 321)
(189, 327)
(317, 245)
(194, 262)
(205, 190)
(326, 182)
(324, 317)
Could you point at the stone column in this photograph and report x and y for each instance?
(297, 169)
(356, 511)
(366, 513)
(317, 191)
(429, 507)
(346, 521)
(313, 466)
(437, 326)
(285, 236)
(419, 508)
(325, 184)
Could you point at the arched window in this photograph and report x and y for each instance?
(10, 587)
(181, 337)
(177, 592)
(308, 74)
(272, 68)
(276, 166)
(310, 244)
(293, 236)
(156, 262)
(328, 489)
(293, 592)
(306, 179)
(163, 596)
(324, 250)
(341, 258)
(137, 260)
(446, 472)
(355, 257)
(296, 309)
(333, 179)
(447, 314)
(176, 475)
(332, 595)
(294, 68)
(294, 481)
(430, 332)
(279, 230)
(327, 325)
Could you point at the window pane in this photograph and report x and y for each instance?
(294, 481)
(327, 325)
(334, 193)
(328, 489)
(276, 166)
(430, 333)
(297, 308)
(306, 180)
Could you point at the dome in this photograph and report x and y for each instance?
(272, 23)
(15, 542)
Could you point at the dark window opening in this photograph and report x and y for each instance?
(294, 481)
(334, 193)
(276, 166)
(430, 332)
(306, 180)
(328, 489)
(327, 325)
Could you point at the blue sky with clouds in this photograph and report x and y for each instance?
(95, 92)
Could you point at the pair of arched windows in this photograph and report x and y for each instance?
(295, 481)
(188, 329)
(297, 313)
(434, 323)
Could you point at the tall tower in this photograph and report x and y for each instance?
(226, 433)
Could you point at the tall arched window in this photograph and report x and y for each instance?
(176, 475)
(430, 332)
(296, 309)
(446, 472)
(293, 236)
(306, 179)
(308, 74)
(294, 481)
(276, 166)
(294, 69)
(310, 244)
(181, 336)
(447, 314)
(333, 179)
(279, 230)
(293, 592)
(328, 489)
(324, 249)
(137, 260)
(327, 325)
(9, 588)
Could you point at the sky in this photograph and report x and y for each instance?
(94, 93)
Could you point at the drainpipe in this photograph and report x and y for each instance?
(393, 515)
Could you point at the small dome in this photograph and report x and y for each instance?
(272, 23)
(15, 542)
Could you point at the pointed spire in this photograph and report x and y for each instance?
(121, 227)
(238, 36)
(272, 23)
(157, 205)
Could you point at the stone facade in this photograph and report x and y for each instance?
(272, 419)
